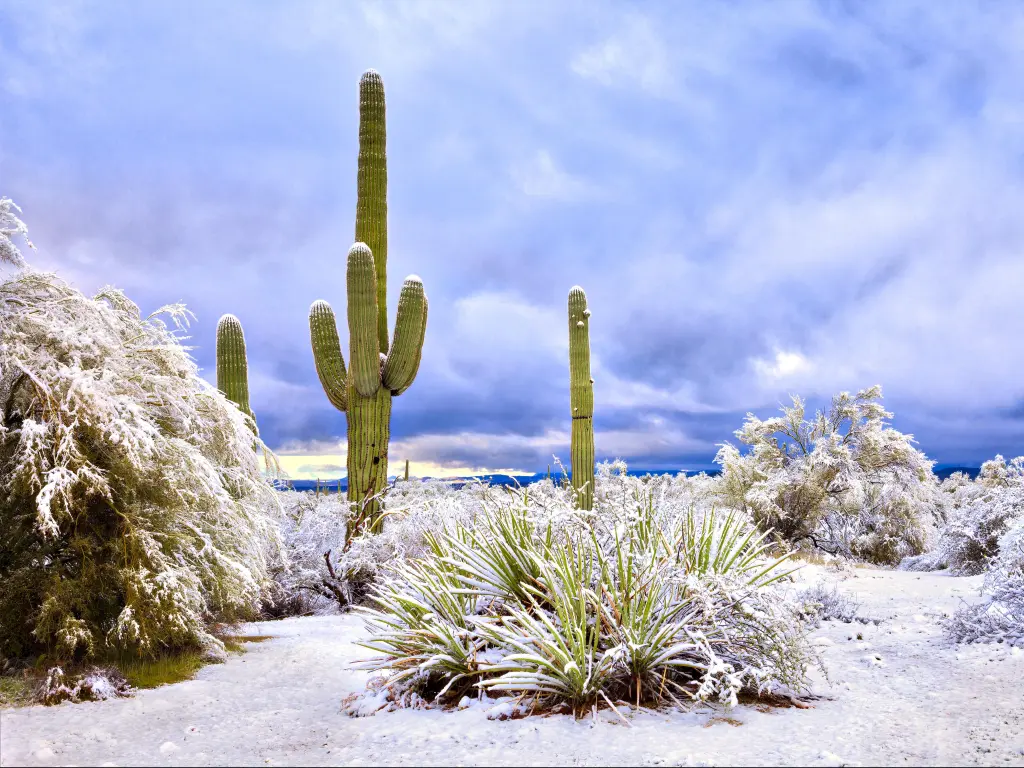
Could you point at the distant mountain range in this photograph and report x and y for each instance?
(941, 470)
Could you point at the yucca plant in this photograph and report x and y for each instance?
(501, 558)
(589, 613)
(647, 617)
(422, 627)
(728, 545)
(558, 655)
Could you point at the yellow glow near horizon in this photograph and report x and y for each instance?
(323, 466)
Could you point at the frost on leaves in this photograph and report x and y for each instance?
(132, 506)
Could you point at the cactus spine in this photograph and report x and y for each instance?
(581, 398)
(232, 367)
(378, 370)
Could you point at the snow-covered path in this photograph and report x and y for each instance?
(900, 695)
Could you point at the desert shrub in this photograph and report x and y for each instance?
(132, 504)
(826, 602)
(323, 566)
(844, 482)
(325, 563)
(640, 603)
(977, 513)
(1000, 616)
(93, 684)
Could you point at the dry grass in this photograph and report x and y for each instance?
(730, 720)
(17, 690)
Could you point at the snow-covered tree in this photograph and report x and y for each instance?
(11, 227)
(845, 481)
(133, 511)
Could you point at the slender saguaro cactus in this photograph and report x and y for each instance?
(379, 370)
(581, 398)
(232, 367)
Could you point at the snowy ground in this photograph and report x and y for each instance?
(899, 695)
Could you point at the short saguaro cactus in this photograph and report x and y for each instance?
(232, 366)
(379, 368)
(581, 399)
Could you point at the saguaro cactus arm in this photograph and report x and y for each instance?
(419, 349)
(364, 349)
(232, 367)
(330, 363)
(403, 359)
(371, 189)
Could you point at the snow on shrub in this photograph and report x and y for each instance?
(1000, 616)
(985, 534)
(826, 602)
(324, 566)
(573, 608)
(978, 513)
(11, 227)
(845, 483)
(132, 506)
(96, 684)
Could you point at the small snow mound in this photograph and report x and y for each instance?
(367, 704)
(168, 747)
(831, 758)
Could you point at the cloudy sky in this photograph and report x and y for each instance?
(759, 199)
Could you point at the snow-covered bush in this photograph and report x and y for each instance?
(578, 608)
(826, 602)
(325, 566)
(977, 515)
(1000, 616)
(132, 505)
(326, 563)
(94, 684)
(846, 482)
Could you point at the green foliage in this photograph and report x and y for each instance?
(581, 398)
(588, 611)
(379, 370)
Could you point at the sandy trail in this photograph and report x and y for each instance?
(898, 695)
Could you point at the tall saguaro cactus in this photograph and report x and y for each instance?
(581, 398)
(378, 370)
(232, 367)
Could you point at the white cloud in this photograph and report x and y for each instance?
(634, 54)
(542, 177)
(786, 365)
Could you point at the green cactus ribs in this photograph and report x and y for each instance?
(232, 367)
(380, 368)
(581, 399)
